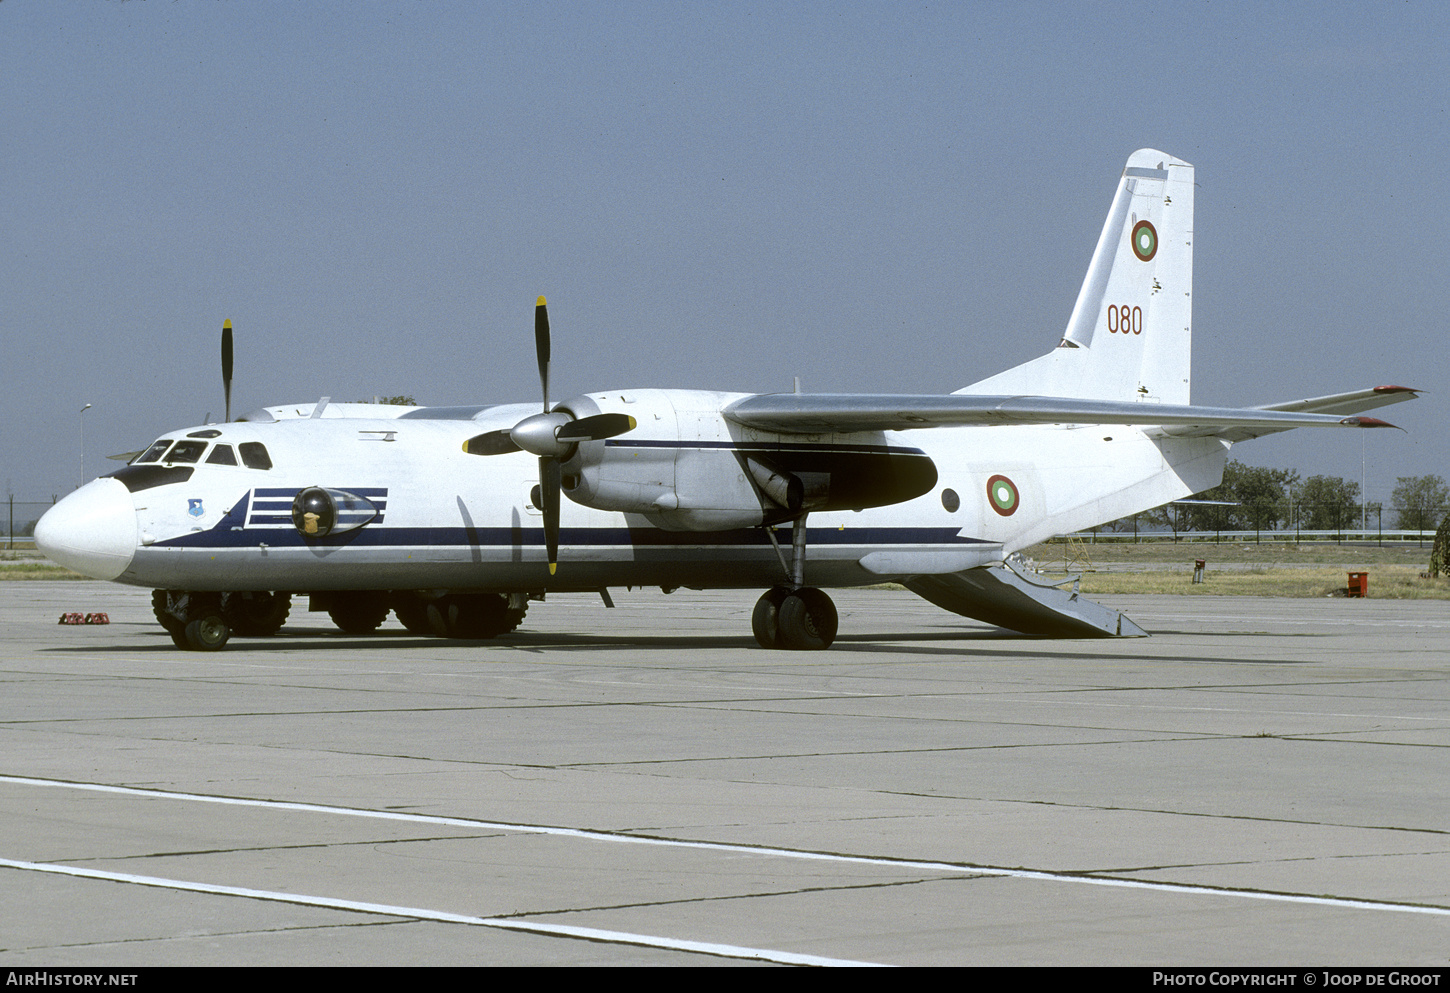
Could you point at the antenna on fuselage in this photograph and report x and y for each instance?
(227, 367)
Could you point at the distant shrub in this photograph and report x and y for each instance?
(1440, 551)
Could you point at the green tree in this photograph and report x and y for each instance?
(1419, 501)
(1261, 497)
(402, 400)
(1328, 503)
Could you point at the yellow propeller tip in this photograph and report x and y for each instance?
(552, 567)
(541, 302)
(227, 324)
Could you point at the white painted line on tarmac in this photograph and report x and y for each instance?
(788, 853)
(418, 913)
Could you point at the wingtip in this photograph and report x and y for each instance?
(1369, 422)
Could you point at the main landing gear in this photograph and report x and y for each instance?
(205, 622)
(796, 617)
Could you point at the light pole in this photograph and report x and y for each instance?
(83, 443)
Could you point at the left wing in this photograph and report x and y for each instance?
(827, 413)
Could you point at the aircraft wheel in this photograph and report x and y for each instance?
(765, 621)
(412, 613)
(359, 613)
(256, 615)
(161, 607)
(207, 633)
(485, 615)
(808, 620)
(178, 638)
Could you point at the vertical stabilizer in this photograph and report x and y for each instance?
(1130, 332)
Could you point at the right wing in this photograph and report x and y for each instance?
(827, 413)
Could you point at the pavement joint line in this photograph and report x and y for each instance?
(758, 850)
(418, 913)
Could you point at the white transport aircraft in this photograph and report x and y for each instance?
(451, 516)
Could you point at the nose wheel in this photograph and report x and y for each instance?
(195, 621)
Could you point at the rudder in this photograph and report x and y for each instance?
(1130, 333)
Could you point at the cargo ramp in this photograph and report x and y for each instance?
(1017, 598)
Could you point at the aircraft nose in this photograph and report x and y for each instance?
(92, 531)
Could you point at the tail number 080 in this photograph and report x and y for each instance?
(1125, 319)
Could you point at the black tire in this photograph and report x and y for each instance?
(472, 615)
(256, 615)
(765, 620)
(412, 613)
(208, 633)
(808, 621)
(160, 604)
(359, 613)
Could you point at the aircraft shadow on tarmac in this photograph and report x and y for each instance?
(974, 642)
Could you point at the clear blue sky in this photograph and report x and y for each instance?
(875, 197)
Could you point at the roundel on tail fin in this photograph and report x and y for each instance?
(1145, 241)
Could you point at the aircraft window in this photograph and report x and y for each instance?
(254, 455)
(185, 451)
(222, 455)
(153, 454)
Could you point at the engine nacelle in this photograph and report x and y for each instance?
(686, 468)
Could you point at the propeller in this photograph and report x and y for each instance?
(551, 436)
(227, 366)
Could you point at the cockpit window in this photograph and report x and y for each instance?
(254, 455)
(222, 455)
(153, 454)
(185, 451)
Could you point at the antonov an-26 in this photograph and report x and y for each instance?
(452, 517)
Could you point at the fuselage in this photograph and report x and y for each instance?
(212, 508)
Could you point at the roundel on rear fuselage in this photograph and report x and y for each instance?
(1002, 495)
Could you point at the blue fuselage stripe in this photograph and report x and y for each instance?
(508, 537)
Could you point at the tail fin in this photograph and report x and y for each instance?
(1130, 334)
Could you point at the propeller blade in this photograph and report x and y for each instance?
(596, 428)
(227, 366)
(492, 443)
(550, 475)
(541, 345)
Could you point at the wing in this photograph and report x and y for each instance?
(828, 413)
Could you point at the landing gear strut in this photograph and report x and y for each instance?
(795, 616)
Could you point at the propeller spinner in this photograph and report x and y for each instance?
(551, 436)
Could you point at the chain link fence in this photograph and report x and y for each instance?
(19, 522)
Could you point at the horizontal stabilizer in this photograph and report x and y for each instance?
(1338, 404)
(825, 413)
(999, 595)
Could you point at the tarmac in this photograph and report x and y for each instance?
(1261, 782)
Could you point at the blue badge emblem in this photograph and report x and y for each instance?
(194, 508)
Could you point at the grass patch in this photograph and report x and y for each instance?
(1385, 583)
(1267, 553)
(36, 570)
